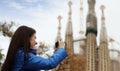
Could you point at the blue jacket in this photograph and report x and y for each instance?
(37, 63)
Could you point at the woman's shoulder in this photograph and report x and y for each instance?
(19, 53)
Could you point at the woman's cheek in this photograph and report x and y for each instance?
(34, 43)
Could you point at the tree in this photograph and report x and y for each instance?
(6, 28)
(1, 57)
(42, 49)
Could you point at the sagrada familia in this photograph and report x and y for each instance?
(93, 57)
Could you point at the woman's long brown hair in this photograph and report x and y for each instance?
(21, 38)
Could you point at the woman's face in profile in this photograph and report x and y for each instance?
(33, 40)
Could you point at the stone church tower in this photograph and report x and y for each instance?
(104, 58)
(93, 57)
(69, 38)
(59, 29)
(69, 32)
(67, 64)
(91, 33)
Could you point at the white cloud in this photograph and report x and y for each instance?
(32, 1)
(15, 5)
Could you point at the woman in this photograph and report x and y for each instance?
(21, 54)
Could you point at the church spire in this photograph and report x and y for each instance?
(69, 24)
(103, 32)
(69, 38)
(59, 28)
(81, 18)
(69, 30)
(91, 18)
(104, 57)
(91, 34)
(70, 10)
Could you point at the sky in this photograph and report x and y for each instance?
(42, 16)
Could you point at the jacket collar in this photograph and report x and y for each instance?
(32, 50)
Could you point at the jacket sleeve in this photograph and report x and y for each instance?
(36, 62)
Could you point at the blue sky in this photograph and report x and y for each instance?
(20, 8)
(42, 16)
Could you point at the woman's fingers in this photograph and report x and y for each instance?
(61, 44)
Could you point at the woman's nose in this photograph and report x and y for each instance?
(36, 43)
